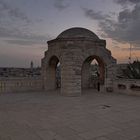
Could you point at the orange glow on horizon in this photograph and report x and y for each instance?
(122, 51)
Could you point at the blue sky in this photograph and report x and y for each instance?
(26, 25)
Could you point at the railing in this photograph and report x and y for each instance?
(127, 86)
(9, 85)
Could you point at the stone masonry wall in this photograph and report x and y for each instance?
(72, 55)
(127, 86)
(12, 85)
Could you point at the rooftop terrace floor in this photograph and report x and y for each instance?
(50, 116)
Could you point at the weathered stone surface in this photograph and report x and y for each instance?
(93, 116)
(75, 48)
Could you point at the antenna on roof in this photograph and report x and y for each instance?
(130, 55)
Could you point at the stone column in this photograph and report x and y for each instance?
(48, 74)
(102, 73)
(85, 76)
(50, 81)
(70, 77)
(110, 75)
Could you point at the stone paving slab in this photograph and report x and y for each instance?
(49, 116)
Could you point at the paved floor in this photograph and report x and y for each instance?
(93, 116)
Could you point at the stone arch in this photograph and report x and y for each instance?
(74, 48)
(50, 72)
(100, 54)
(85, 70)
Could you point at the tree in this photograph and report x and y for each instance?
(132, 71)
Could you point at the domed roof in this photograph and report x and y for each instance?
(78, 32)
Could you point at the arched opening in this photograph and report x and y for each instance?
(58, 75)
(93, 73)
(54, 73)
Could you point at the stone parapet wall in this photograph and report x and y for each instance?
(127, 86)
(12, 85)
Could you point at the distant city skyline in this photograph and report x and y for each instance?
(26, 26)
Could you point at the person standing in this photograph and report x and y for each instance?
(98, 86)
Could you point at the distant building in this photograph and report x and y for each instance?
(32, 65)
(68, 64)
(20, 72)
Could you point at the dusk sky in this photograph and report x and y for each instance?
(26, 25)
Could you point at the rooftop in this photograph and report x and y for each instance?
(78, 32)
(49, 116)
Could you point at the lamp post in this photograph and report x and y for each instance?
(130, 55)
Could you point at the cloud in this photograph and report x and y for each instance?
(116, 47)
(6, 32)
(9, 11)
(18, 14)
(15, 27)
(24, 42)
(95, 15)
(124, 2)
(29, 40)
(61, 4)
(125, 29)
(20, 37)
(133, 49)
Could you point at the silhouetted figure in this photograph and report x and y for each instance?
(31, 65)
(31, 68)
(98, 86)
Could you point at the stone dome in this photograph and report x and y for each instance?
(78, 32)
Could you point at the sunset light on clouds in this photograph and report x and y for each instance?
(26, 26)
